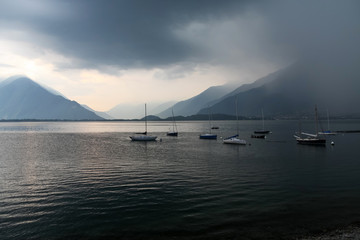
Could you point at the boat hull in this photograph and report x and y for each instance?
(258, 136)
(208, 136)
(236, 141)
(320, 142)
(143, 138)
(172, 134)
(310, 141)
(262, 132)
(327, 133)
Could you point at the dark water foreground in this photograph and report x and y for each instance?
(59, 182)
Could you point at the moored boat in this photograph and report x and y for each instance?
(174, 132)
(258, 136)
(208, 136)
(235, 139)
(143, 137)
(327, 132)
(310, 139)
(262, 131)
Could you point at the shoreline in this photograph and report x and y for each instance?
(349, 232)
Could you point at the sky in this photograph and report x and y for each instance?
(104, 53)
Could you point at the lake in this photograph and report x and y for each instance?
(87, 180)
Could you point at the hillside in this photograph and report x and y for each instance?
(136, 111)
(296, 90)
(22, 98)
(193, 105)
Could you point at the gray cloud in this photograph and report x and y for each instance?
(141, 33)
(124, 33)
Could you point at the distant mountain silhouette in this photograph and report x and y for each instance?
(100, 114)
(127, 111)
(193, 105)
(22, 98)
(161, 107)
(213, 95)
(136, 111)
(245, 87)
(295, 90)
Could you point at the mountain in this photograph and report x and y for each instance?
(193, 105)
(245, 87)
(212, 96)
(162, 107)
(12, 78)
(127, 111)
(100, 114)
(22, 98)
(295, 90)
(136, 111)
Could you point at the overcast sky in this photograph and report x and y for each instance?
(103, 53)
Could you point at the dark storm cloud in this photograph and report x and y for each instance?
(312, 27)
(145, 33)
(137, 33)
(124, 33)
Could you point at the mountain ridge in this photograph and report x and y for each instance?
(296, 90)
(23, 98)
(192, 105)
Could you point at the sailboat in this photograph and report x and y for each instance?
(263, 131)
(263, 136)
(310, 139)
(143, 136)
(235, 139)
(208, 135)
(327, 132)
(174, 132)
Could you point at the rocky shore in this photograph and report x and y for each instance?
(350, 232)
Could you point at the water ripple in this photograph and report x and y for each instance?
(56, 185)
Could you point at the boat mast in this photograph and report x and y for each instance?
(174, 123)
(327, 111)
(316, 120)
(145, 120)
(210, 119)
(237, 117)
(262, 115)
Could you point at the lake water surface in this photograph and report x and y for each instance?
(87, 180)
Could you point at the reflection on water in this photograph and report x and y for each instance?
(87, 180)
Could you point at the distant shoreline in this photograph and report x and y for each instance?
(151, 118)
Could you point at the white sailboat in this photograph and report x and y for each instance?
(327, 132)
(143, 136)
(235, 139)
(174, 132)
(308, 138)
